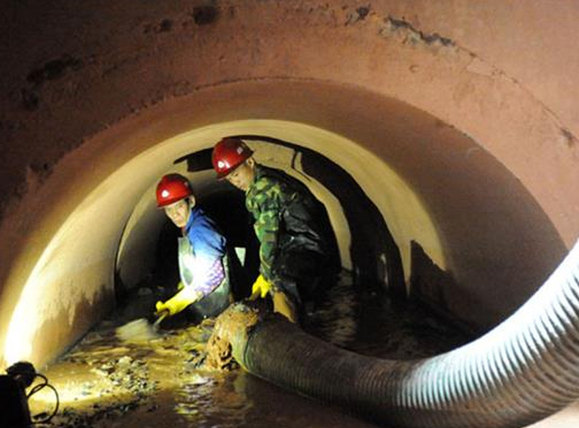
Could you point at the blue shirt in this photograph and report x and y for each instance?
(203, 235)
(209, 249)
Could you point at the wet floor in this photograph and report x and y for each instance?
(159, 382)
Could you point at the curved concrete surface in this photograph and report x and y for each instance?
(463, 141)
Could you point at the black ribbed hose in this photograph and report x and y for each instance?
(522, 371)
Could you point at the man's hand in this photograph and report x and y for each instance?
(261, 287)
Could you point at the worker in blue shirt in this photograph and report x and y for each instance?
(205, 287)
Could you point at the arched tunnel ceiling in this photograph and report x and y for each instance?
(430, 182)
(125, 62)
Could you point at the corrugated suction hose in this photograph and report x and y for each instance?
(522, 371)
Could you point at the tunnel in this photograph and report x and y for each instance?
(441, 137)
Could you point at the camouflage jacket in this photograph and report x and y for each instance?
(281, 207)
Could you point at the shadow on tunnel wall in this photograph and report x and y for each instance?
(431, 286)
(376, 261)
(499, 243)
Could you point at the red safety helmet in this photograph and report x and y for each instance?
(172, 188)
(228, 154)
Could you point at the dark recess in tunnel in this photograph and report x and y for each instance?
(376, 262)
(370, 236)
(430, 287)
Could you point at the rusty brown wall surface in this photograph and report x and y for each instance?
(496, 74)
(70, 70)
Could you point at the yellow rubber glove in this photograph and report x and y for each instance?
(260, 288)
(178, 302)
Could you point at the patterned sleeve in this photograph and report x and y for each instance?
(269, 204)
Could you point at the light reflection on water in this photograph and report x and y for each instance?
(345, 320)
(241, 400)
(371, 324)
(178, 394)
(209, 402)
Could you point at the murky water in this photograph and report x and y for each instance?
(105, 382)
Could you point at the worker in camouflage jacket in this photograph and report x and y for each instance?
(291, 225)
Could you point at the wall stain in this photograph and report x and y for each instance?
(358, 15)
(411, 35)
(570, 139)
(54, 69)
(204, 15)
(162, 27)
(51, 70)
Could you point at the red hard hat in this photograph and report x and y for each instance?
(172, 188)
(228, 154)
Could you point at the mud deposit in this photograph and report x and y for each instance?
(163, 382)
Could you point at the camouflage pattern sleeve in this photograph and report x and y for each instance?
(265, 201)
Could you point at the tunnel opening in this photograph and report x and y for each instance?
(374, 264)
(374, 256)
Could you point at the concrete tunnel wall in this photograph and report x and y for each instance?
(467, 110)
